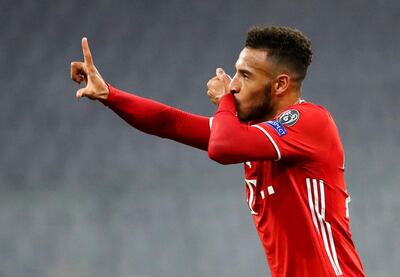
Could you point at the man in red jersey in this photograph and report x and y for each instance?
(291, 150)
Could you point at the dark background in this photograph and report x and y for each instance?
(83, 194)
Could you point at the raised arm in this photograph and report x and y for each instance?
(144, 114)
(160, 120)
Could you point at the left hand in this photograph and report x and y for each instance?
(95, 86)
(218, 86)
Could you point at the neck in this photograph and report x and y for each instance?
(282, 104)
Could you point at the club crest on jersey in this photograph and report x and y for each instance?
(289, 118)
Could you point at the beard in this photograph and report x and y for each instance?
(260, 111)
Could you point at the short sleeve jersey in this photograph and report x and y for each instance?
(299, 202)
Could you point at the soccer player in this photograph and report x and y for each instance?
(290, 149)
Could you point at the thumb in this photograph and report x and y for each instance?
(81, 93)
(220, 73)
(222, 76)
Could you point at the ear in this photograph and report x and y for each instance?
(281, 84)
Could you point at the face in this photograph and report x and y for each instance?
(252, 87)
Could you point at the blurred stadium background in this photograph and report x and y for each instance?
(83, 194)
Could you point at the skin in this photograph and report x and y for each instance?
(95, 88)
(261, 87)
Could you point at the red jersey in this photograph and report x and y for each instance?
(299, 201)
(294, 175)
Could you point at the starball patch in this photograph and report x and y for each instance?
(289, 118)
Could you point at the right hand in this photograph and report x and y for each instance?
(96, 88)
(218, 86)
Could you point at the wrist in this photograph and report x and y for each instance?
(227, 104)
(103, 96)
(106, 95)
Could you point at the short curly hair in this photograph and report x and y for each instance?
(287, 46)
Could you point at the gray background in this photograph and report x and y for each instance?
(83, 194)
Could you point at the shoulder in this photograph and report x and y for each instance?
(302, 119)
(305, 115)
(311, 110)
(302, 130)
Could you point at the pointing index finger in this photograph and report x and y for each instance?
(87, 56)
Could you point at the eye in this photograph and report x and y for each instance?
(245, 75)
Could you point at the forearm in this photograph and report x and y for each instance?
(232, 141)
(158, 119)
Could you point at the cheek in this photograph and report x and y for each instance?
(247, 91)
(253, 95)
(255, 100)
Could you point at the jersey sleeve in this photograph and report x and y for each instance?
(157, 119)
(303, 131)
(232, 141)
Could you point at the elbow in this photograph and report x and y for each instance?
(219, 153)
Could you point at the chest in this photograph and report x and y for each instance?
(272, 186)
(259, 184)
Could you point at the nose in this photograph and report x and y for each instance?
(234, 86)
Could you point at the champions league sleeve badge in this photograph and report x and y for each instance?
(289, 118)
(278, 127)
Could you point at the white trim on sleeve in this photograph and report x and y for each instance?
(210, 120)
(278, 152)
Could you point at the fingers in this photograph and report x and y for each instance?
(212, 97)
(78, 73)
(211, 81)
(87, 56)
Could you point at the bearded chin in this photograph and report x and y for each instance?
(260, 112)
